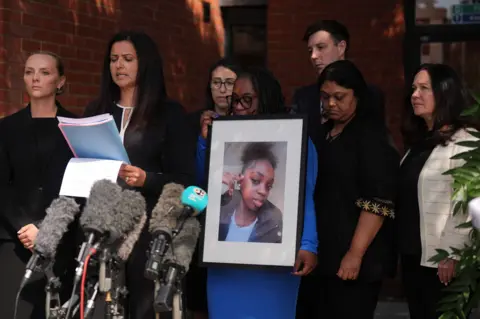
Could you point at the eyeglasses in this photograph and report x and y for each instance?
(245, 100)
(217, 83)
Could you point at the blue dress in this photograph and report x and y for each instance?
(235, 293)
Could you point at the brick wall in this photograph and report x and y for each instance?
(376, 28)
(78, 30)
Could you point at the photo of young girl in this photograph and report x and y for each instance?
(253, 192)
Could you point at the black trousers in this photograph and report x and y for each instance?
(13, 259)
(330, 297)
(196, 286)
(422, 286)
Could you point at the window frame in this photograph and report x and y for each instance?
(416, 35)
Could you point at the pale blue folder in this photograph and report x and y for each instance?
(95, 137)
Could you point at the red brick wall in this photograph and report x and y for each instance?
(78, 30)
(376, 30)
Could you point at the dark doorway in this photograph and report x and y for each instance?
(246, 34)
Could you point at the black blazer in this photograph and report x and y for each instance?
(26, 189)
(165, 149)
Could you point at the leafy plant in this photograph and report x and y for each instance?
(463, 293)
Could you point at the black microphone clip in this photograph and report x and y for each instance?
(169, 286)
(158, 247)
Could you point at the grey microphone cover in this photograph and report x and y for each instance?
(168, 209)
(127, 214)
(98, 214)
(127, 245)
(183, 245)
(60, 214)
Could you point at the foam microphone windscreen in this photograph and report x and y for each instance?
(98, 214)
(127, 245)
(60, 214)
(127, 214)
(183, 245)
(169, 207)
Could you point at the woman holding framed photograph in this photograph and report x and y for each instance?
(261, 293)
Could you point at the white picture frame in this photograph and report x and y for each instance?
(256, 220)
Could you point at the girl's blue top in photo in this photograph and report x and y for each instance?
(237, 293)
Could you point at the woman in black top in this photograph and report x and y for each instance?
(33, 158)
(156, 136)
(425, 221)
(356, 181)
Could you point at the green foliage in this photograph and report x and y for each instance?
(463, 293)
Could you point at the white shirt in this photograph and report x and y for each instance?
(124, 124)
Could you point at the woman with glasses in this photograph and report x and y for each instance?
(261, 293)
(221, 78)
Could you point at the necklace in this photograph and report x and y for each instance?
(331, 138)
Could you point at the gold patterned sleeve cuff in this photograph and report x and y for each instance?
(377, 206)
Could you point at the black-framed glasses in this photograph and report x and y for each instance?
(217, 83)
(245, 100)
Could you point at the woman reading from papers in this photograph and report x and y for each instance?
(156, 136)
(33, 157)
(245, 293)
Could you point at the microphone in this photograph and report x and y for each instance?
(96, 219)
(109, 215)
(163, 222)
(195, 201)
(120, 220)
(127, 245)
(59, 215)
(183, 245)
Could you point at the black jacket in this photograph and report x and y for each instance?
(26, 189)
(165, 150)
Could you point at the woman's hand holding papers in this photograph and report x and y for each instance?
(132, 175)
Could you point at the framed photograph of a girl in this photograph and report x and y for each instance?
(255, 186)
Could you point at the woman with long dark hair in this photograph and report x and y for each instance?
(354, 200)
(221, 78)
(242, 293)
(155, 133)
(425, 221)
(33, 158)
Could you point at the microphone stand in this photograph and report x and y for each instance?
(52, 300)
(116, 294)
(168, 291)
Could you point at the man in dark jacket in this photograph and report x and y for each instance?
(327, 41)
